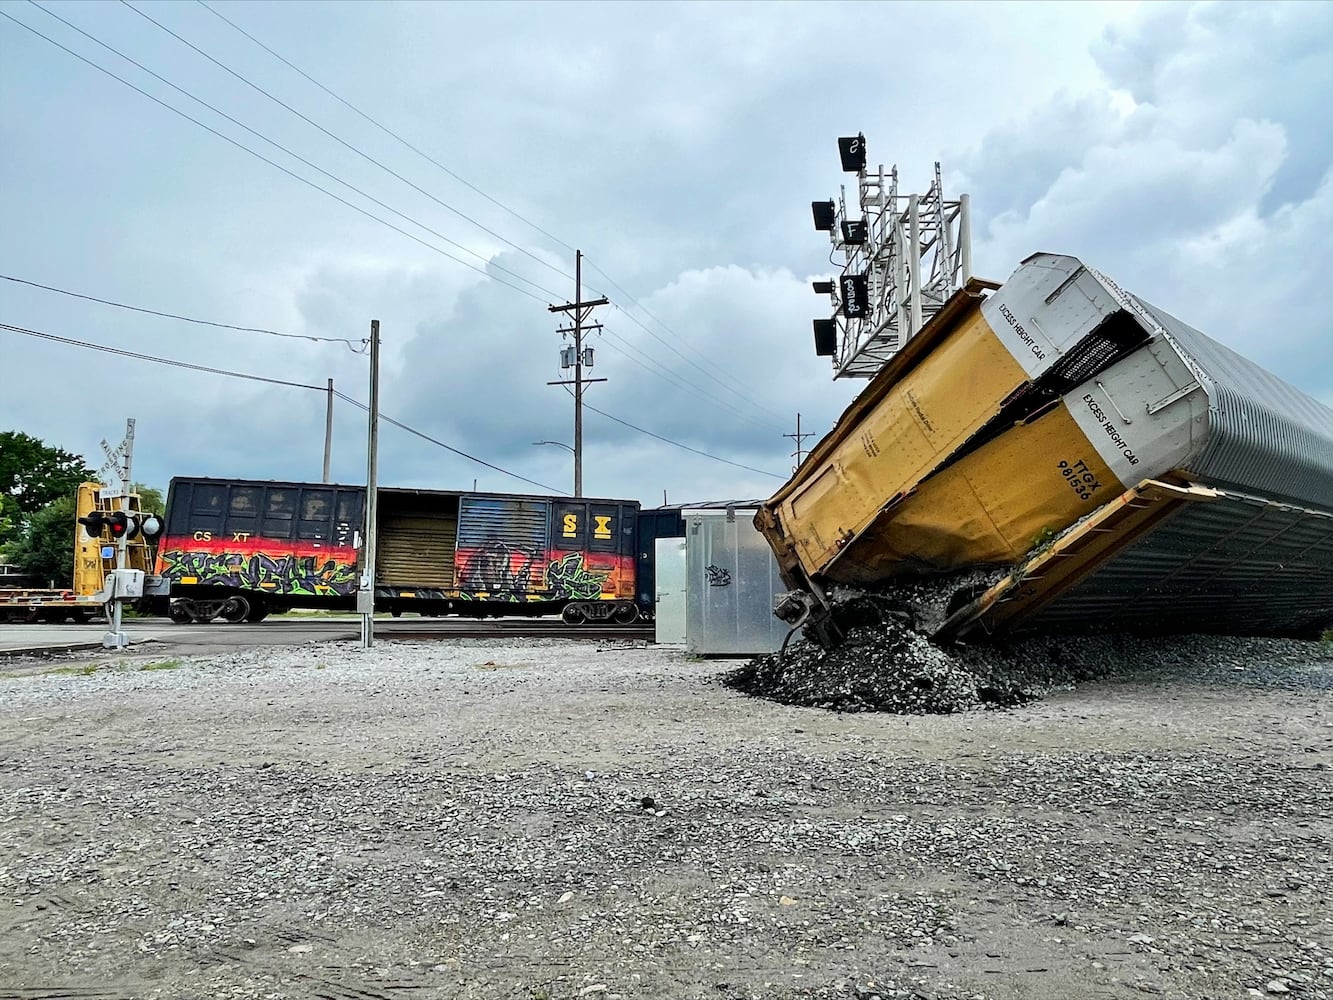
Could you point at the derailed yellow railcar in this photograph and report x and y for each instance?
(1016, 418)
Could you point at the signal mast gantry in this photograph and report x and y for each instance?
(904, 257)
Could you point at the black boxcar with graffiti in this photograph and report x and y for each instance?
(240, 550)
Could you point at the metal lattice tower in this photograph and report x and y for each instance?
(904, 256)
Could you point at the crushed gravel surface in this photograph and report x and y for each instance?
(481, 819)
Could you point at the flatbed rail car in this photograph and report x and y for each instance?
(243, 549)
(1115, 467)
(32, 604)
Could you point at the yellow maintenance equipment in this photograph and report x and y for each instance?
(99, 523)
(95, 555)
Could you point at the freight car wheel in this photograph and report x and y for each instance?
(235, 611)
(180, 613)
(626, 614)
(573, 615)
(258, 611)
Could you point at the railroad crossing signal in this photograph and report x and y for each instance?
(95, 522)
(150, 526)
(118, 524)
(118, 461)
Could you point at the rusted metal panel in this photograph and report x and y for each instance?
(416, 551)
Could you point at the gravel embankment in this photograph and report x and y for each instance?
(476, 819)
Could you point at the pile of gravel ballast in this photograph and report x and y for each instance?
(891, 667)
(879, 668)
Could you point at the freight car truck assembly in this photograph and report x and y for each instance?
(1110, 466)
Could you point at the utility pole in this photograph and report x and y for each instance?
(576, 359)
(365, 595)
(799, 453)
(328, 433)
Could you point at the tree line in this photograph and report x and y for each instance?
(38, 487)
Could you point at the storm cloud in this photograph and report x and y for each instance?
(1185, 150)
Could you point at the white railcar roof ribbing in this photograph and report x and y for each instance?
(1265, 435)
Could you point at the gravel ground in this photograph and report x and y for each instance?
(548, 820)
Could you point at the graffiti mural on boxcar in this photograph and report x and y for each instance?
(498, 568)
(569, 576)
(312, 574)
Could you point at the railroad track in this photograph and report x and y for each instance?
(513, 630)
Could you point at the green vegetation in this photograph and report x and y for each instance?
(33, 474)
(45, 548)
(150, 499)
(38, 489)
(162, 665)
(1043, 539)
(1327, 640)
(82, 670)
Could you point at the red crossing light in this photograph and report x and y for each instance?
(95, 522)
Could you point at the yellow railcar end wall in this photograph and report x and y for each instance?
(90, 568)
(88, 571)
(928, 414)
(992, 506)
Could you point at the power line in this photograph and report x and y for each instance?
(634, 319)
(359, 152)
(677, 444)
(468, 184)
(155, 359)
(272, 163)
(207, 369)
(671, 378)
(341, 200)
(356, 346)
(463, 454)
(340, 340)
(388, 131)
(667, 440)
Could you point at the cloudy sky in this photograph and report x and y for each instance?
(1185, 150)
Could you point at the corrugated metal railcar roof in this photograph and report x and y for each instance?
(1265, 435)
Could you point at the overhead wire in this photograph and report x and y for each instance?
(671, 347)
(354, 345)
(388, 131)
(359, 152)
(122, 352)
(210, 370)
(663, 438)
(278, 145)
(678, 444)
(670, 378)
(336, 197)
(385, 129)
(421, 434)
